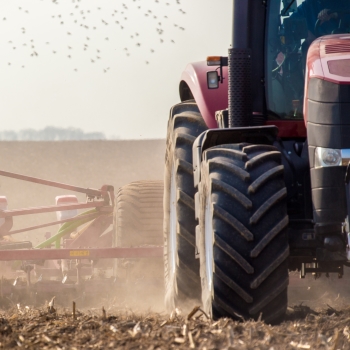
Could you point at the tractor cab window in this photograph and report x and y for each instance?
(292, 25)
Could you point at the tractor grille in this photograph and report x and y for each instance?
(337, 48)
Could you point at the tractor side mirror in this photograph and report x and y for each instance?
(213, 80)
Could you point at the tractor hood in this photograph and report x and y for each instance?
(327, 118)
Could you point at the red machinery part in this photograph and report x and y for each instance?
(328, 59)
(208, 100)
(102, 200)
(50, 208)
(211, 100)
(90, 192)
(91, 254)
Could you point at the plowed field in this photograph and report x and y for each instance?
(314, 321)
(304, 328)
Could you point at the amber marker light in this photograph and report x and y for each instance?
(213, 60)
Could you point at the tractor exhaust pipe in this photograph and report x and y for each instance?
(239, 68)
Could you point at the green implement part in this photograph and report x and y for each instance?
(68, 228)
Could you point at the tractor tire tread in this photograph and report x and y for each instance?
(250, 241)
(184, 125)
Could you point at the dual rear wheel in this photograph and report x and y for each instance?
(242, 238)
(138, 222)
(243, 245)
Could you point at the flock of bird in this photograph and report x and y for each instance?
(115, 26)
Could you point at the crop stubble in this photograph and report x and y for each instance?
(304, 328)
(92, 164)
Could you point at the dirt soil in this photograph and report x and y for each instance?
(304, 328)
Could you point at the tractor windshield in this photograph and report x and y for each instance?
(292, 25)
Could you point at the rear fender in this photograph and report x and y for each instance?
(262, 135)
(193, 85)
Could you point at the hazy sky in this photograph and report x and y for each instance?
(105, 85)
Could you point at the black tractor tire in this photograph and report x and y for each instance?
(243, 242)
(138, 221)
(181, 268)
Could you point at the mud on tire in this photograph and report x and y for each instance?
(243, 240)
(182, 281)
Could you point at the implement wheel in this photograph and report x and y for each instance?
(243, 240)
(138, 221)
(182, 282)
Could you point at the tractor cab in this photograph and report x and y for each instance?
(292, 26)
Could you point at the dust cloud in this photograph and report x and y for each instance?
(320, 291)
(94, 163)
(81, 163)
(88, 164)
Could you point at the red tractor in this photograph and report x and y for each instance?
(257, 161)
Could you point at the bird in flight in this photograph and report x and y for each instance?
(84, 19)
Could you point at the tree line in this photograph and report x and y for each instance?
(50, 133)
